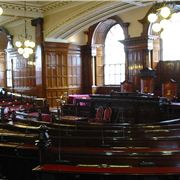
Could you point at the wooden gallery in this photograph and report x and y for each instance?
(90, 89)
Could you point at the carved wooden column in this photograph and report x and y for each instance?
(137, 58)
(86, 69)
(39, 56)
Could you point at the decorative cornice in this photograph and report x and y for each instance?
(74, 15)
(89, 15)
(81, 14)
(85, 17)
(55, 5)
(17, 9)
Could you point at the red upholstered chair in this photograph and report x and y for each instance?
(99, 114)
(169, 89)
(147, 85)
(126, 87)
(107, 114)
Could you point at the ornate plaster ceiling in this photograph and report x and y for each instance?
(84, 14)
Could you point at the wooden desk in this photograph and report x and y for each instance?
(53, 171)
(73, 118)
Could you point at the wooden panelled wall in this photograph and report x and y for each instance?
(2, 69)
(66, 68)
(23, 73)
(167, 70)
(136, 58)
(62, 70)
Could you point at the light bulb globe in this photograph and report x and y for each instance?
(18, 44)
(175, 17)
(32, 44)
(165, 12)
(156, 27)
(164, 23)
(1, 10)
(152, 17)
(20, 50)
(26, 55)
(28, 50)
(27, 43)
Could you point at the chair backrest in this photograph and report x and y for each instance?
(99, 113)
(169, 89)
(126, 87)
(107, 114)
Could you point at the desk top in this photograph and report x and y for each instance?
(73, 118)
(114, 170)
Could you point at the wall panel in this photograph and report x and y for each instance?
(62, 70)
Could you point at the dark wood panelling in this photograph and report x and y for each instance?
(39, 68)
(106, 89)
(86, 69)
(2, 70)
(62, 70)
(24, 77)
(167, 70)
(136, 58)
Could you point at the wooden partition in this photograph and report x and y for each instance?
(167, 70)
(169, 89)
(136, 58)
(2, 69)
(23, 73)
(62, 70)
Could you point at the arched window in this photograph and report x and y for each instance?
(114, 61)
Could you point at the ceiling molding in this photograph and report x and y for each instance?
(60, 6)
(20, 9)
(82, 14)
(83, 19)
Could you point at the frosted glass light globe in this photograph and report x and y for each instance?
(27, 43)
(18, 44)
(152, 17)
(175, 17)
(25, 55)
(20, 50)
(164, 23)
(28, 50)
(156, 27)
(1, 10)
(32, 44)
(165, 12)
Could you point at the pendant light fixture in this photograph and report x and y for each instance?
(25, 45)
(162, 16)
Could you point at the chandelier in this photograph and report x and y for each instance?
(165, 13)
(25, 45)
